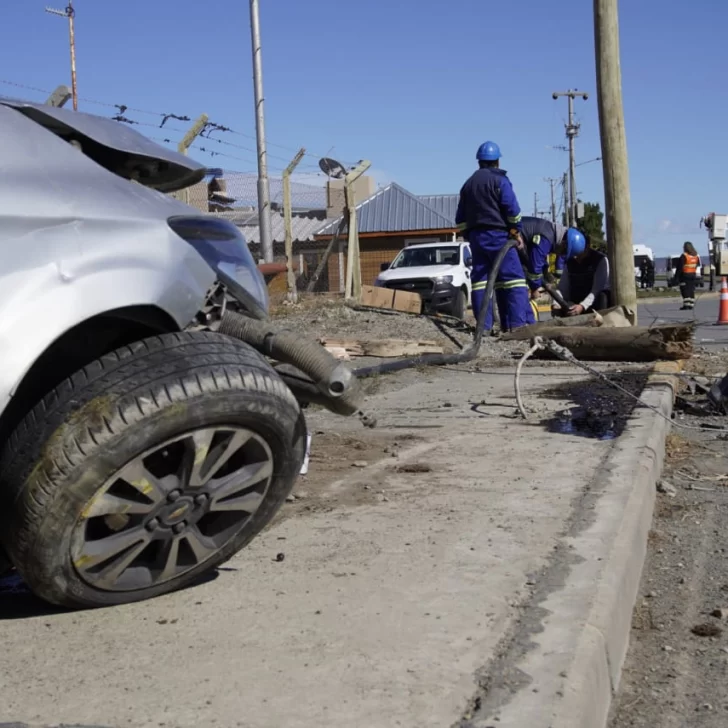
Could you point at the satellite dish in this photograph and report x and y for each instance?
(332, 168)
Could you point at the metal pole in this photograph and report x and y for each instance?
(72, 36)
(552, 184)
(266, 237)
(70, 13)
(572, 131)
(535, 204)
(572, 166)
(288, 223)
(618, 207)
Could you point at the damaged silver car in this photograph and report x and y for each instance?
(148, 429)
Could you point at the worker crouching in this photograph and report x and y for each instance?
(488, 215)
(585, 284)
(541, 241)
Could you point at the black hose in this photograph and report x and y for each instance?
(337, 386)
(468, 353)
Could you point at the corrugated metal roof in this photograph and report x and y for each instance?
(392, 210)
(303, 228)
(446, 205)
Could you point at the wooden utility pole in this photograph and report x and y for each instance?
(572, 131)
(288, 224)
(618, 210)
(353, 268)
(70, 13)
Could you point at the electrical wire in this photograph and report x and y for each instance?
(121, 109)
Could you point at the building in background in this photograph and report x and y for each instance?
(387, 221)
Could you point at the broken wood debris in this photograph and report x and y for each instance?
(384, 348)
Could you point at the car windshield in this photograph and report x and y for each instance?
(414, 257)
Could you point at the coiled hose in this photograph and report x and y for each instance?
(468, 353)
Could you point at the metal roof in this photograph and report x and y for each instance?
(392, 210)
(303, 228)
(446, 205)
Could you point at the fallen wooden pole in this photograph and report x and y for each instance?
(591, 320)
(634, 343)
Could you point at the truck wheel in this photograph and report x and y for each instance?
(152, 465)
(458, 304)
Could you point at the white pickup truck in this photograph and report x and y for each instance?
(439, 272)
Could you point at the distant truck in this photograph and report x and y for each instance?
(439, 272)
(672, 264)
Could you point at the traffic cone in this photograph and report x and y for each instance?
(723, 310)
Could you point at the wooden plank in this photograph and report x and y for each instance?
(377, 297)
(407, 302)
(384, 348)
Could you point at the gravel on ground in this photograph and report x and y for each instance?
(676, 671)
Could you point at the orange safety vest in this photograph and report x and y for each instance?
(690, 266)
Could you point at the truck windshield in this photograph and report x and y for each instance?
(414, 257)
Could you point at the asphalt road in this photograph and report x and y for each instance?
(667, 310)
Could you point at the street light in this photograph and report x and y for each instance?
(69, 13)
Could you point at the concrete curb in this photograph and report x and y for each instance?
(569, 665)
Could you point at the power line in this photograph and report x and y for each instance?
(120, 116)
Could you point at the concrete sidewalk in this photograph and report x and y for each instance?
(432, 601)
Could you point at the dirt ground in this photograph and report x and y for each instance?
(676, 672)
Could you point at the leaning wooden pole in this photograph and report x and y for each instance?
(614, 153)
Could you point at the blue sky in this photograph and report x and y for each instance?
(414, 86)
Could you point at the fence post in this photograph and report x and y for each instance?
(288, 224)
(59, 97)
(353, 269)
(194, 131)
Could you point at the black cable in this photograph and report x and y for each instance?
(467, 354)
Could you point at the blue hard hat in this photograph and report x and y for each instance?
(575, 243)
(488, 152)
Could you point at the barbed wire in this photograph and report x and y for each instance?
(121, 110)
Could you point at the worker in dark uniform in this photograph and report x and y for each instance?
(686, 274)
(488, 215)
(586, 283)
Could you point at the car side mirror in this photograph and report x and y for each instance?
(469, 262)
(383, 267)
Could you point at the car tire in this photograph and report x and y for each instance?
(188, 443)
(458, 304)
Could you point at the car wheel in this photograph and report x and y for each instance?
(458, 304)
(149, 467)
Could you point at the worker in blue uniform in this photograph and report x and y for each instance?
(488, 215)
(542, 239)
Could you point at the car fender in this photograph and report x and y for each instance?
(41, 305)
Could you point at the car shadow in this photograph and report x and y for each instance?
(18, 602)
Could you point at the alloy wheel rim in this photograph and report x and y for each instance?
(171, 509)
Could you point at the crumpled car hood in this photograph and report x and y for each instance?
(115, 146)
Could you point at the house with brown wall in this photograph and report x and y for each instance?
(388, 221)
